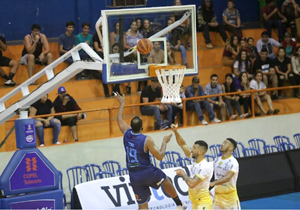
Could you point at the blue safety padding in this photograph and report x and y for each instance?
(25, 133)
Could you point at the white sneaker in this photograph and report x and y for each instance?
(41, 145)
(9, 83)
(204, 122)
(58, 142)
(183, 207)
(215, 120)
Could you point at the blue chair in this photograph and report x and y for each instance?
(215, 150)
(61, 187)
(152, 159)
(271, 149)
(111, 166)
(209, 158)
(238, 152)
(285, 146)
(76, 175)
(167, 164)
(248, 152)
(280, 139)
(183, 161)
(91, 170)
(104, 174)
(297, 140)
(122, 172)
(171, 156)
(258, 144)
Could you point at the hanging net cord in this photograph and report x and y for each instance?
(171, 84)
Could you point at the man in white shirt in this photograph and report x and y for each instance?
(226, 170)
(200, 173)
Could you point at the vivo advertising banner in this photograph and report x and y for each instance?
(117, 193)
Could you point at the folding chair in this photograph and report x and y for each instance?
(258, 144)
(248, 152)
(122, 172)
(171, 156)
(209, 158)
(215, 150)
(91, 170)
(280, 139)
(104, 174)
(167, 164)
(271, 149)
(238, 152)
(183, 161)
(111, 166)
(285, 146)
(297, 140)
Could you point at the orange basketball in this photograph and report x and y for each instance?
(144, 46)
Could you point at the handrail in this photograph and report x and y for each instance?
(158, 102)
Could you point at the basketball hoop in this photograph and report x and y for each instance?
(170, 79)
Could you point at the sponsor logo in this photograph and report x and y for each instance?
(161, 181)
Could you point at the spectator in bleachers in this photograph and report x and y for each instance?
(242, 64)
(259, 97)
(252, 50)
(289, 45)
(242, 84)
(273, 19)
(171, 56)
(232, 20)
(290, 10)
(66, 41)
(296, 64)
(42, 107)
(243, 44)
(115, 35)
(230, 52)
(139, 24)
(177, 108)
(207, 21)
(132, 36)
(177, 45)
(146, 29)
(266, 66)
(4, 61)
(84, 37)
(195, 90)
(232, 100)
(284, 72)
(267, 43)
(181, 32)
(33, 50)
(66, 103)
(213, 88)
(150, 94)
(157, 55)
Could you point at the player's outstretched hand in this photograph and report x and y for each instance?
(121, 98)
(167, 138)
(180, 172)
(174, 127)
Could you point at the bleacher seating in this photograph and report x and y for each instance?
(270, 149)
(258, 144)
(248, 152)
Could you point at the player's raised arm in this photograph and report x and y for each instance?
(191, 182)
(181, 142)
(157, 153)
(123, 126)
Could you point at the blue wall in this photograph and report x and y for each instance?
(17, 16)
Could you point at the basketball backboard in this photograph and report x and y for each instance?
(177, 40)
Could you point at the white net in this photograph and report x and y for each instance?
(170, 84)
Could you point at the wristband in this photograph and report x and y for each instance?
(217, 102)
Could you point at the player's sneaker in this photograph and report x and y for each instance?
(9, 83)
(183, 207)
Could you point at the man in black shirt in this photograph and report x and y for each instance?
(4, 61)
(149, 94)
(266, 65)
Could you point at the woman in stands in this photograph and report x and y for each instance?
(242, 64)
(296, 64)
(259, 97)
(115, 35)
(147, 30)
(289, 45)
(242, 84)
(139, 24)
(232, 100)
(42, 107)
(231, 51)
(284, 71)
(251, 48)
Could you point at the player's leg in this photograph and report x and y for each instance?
(170, 189)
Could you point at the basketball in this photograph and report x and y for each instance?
(144, 46)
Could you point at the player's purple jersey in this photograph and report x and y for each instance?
(134, 144)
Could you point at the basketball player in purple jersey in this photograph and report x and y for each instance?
(142, 173)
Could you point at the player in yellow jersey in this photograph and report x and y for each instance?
(200, 173)
(226, 173)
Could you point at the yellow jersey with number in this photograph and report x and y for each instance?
(200, 193)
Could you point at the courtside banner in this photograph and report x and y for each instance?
(117, 193)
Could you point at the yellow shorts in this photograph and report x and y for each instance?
(202, 206)
(226, 201)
